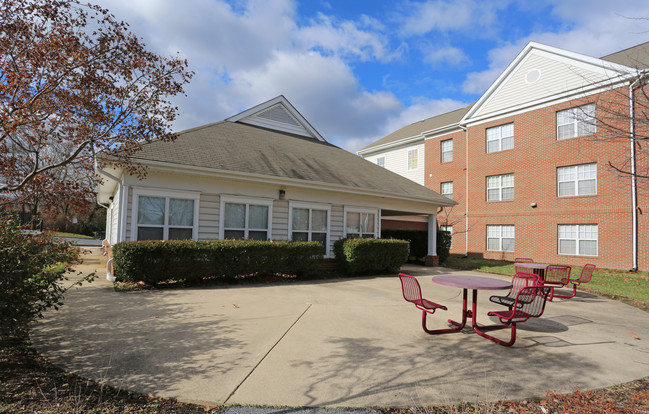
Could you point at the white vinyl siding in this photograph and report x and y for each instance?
(208, 217)
(446, 189)
(578, 239)
(446, 148)
(500, 187)
(280, 220)
(501, 238)
(577, 180)
(576, 122)
(500, 138)
(396, 160)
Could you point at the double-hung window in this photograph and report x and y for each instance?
(501, 238)
(577, 180)
(500, 187)
(380, 161)
(447, 150)
(164, 216)
(500, 138)
(360, 223)
(413, 158)
(309, 223)
(578, 239)
(446, 189)
(245, 218)
(576, 122)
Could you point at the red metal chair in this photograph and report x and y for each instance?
(519, 281)
(584, 277)
(529, 303)
(412, 293)
(557, 275)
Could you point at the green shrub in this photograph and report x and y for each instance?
(189, 260)
(32, 268)
(419, 242)
(370, 256)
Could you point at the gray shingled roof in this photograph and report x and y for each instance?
(634, 57)
(238, 147)
(417, 128)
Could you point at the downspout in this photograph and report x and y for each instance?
(466, 193)
(109, 274)
(634, 184)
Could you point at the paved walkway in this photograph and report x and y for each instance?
(333, 343)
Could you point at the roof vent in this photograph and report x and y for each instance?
(533, 76)
(279, 114)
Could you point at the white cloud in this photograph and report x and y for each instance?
(447, 55)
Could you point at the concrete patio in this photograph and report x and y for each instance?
(333, 343)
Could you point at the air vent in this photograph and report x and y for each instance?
(533, 76)
(279, 114)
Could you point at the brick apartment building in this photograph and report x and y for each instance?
(529, 163)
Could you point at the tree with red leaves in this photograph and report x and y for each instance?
(74, 82)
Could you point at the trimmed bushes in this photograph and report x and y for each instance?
(190, 260)
(370, 256)
(419, 243)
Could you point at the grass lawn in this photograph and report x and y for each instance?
(618, 284)
(79, 236)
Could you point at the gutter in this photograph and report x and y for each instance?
(466, 203)
(109, 275)
(634, 183)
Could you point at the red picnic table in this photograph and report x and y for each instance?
(466, 282)
(537, 268)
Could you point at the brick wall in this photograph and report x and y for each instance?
(534, 161)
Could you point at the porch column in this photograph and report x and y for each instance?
(431, 258)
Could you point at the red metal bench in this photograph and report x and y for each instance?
(519, 281)
(529, 303)
(412, 293)
(556, 275)
(584, 277)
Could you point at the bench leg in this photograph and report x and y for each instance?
(512, 339)
(458, 325)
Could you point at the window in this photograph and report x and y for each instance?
(500, 187)
(164, 217)
(360, 224)
(577, 180)
(447, 150)
(380, 161)
(576, 122)
(578, 239)
(450, 230)
(500, 138)
(245, 220)
(500, 238)
(309, 224)
(446, 189)
(412, 159)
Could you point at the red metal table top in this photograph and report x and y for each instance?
(472, 282)
(532, 265)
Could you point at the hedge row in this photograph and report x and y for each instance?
(419, 242)
(370, 256)
(190, 260)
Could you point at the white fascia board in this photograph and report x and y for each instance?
(565, 56)
(456, 127)
(258, 178)
(551, 100)
(398, 143)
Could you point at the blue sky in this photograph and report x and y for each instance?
(358, 69)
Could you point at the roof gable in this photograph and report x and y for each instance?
(278, 114)
(543, 73)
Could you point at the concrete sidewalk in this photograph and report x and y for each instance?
(334, 343)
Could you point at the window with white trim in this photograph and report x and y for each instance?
(500, 138)
(380, 161)
(413, 158)
(310, 223)
(450, 230)
(447, 150)
(501, 238)
(577, 180)
(446, 189)
(160, 216)
(576, 122)
(246, 220)
(500, 187)
(578, 239)
(360, 224)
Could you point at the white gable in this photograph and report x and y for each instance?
(277, 114)
(542, 73)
